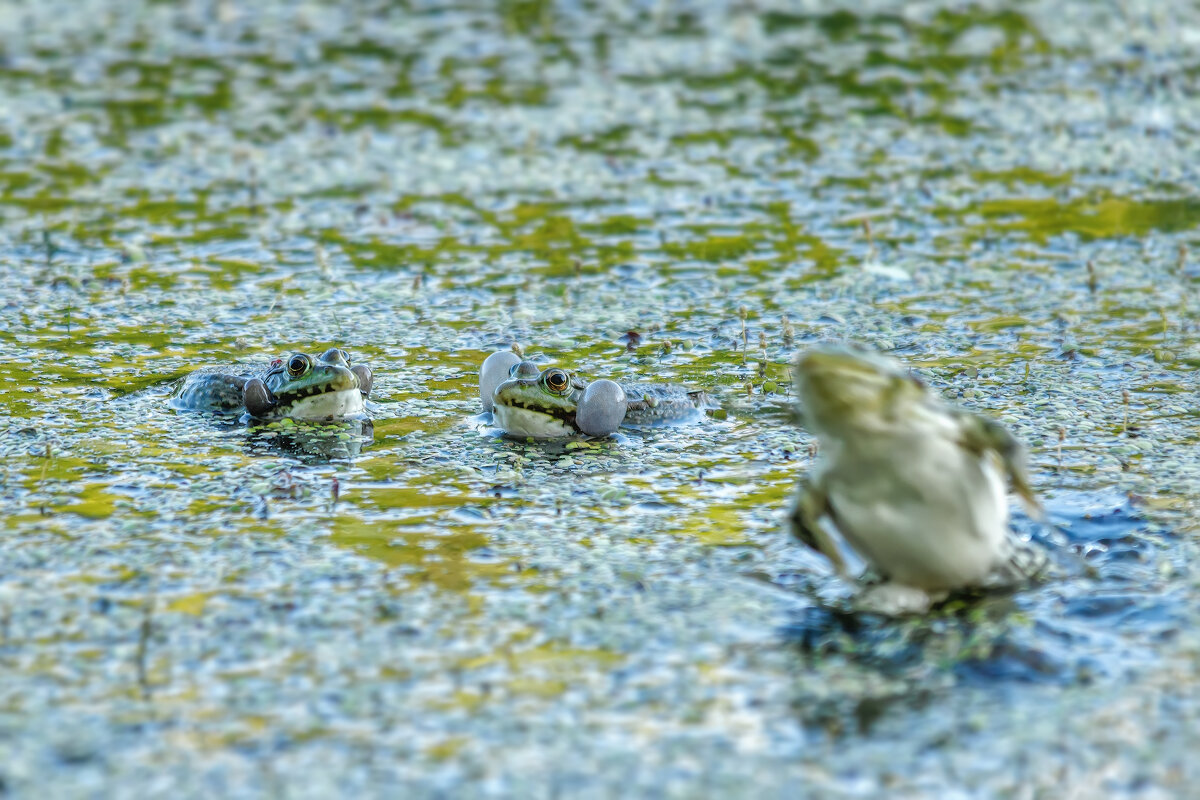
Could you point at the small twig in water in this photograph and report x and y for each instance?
(872, 252)
(144, 632)
(743, 313)
(253, 189)
(323, 263)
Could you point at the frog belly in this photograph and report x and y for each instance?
(941, 523)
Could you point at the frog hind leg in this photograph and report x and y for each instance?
(980, 435)
(804, 521)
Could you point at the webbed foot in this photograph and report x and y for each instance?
(896, 600)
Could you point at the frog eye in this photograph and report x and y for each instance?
(297, 365)
(556, 380)
(345, 355)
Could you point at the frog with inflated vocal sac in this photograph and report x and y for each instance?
(298, 387)
(528, 402)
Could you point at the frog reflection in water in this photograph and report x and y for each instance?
(915, 486)
(528, 402)
(300, 387)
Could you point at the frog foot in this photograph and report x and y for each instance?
(896, 600)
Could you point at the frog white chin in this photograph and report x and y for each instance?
(520, 423)
(346, 403)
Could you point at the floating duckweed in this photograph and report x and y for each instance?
(183, 604)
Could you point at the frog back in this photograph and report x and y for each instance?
(215, 389)
(658, 404)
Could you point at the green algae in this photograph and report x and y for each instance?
(1091, 218)
(185, 597)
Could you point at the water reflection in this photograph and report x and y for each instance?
(311, 442)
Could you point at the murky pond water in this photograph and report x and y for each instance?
(1002, 194)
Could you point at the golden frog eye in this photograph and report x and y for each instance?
(556, 380)
(297, 365)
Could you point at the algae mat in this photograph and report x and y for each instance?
(1001, 194)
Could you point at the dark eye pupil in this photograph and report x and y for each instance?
(296, 364)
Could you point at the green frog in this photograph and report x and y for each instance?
(299, 386)
(529, 402)
(913, 485)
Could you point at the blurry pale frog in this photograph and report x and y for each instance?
(915, 486)
(527, 402)
(300, 386)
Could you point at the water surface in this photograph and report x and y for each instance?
(1002, 194)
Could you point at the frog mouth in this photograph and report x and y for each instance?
(335, 393)
(326, 404)
(529, 399)
(560, 414)
(334, 379)
(311, 391)
(520, 421)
